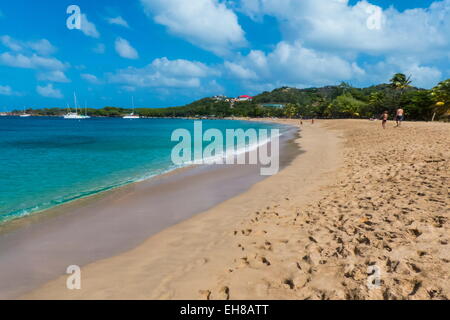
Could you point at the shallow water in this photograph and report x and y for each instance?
(45, 162)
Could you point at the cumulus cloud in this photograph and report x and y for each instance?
(34, 61)
(292, 64)
(88, 28)
(49, 92)
(164, 73)
(337, 24)
(410, 41)
(8, 91)
(208, 24)
(421, 75)
(240, 71)
(42, 46)
(11, 43)
(31, 55)
(125, 50)
(118, 21)
(91, 78)
(53, 76)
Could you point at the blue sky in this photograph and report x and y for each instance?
(171, 52)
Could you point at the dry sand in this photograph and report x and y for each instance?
(359, 196)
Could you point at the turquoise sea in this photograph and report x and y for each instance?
(45, 162)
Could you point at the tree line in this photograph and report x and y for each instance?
(341, 101)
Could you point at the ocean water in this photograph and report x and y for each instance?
(45, 162)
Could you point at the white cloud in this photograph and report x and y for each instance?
(164, 73)
(421, 75)
(340, 26)
(49, 92)
(11, 43)
(5, 90)
(34, 55)
(88, 28)
(91, 78)
(324, 39)
(100, 48)
(53, 76)
(240, 71)
(118, 21)
(125, 50)
(30, 62)
(8, 91)
(43, 47)
(208, 24)
(294, 65)
(182, 68)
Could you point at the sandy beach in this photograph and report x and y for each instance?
(38, 248)
(356, 197)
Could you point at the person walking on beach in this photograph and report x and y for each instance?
(384, 118)
(399, 116)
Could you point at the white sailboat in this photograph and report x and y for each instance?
(25, 114)
(74, 115)
(131, 115)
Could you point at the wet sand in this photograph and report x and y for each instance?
(39, 248)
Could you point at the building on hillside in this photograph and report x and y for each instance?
(274, 105)
(220, 98)
(244, 98)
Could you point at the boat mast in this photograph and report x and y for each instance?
(75, 101)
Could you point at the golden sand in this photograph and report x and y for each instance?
(359, 197)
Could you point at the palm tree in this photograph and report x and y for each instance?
(400, 82)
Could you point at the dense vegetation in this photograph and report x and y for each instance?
(342, 101)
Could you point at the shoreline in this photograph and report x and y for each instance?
(8, 224)
(100, 219)
(176, 248)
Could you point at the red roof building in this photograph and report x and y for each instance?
(245, 98)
